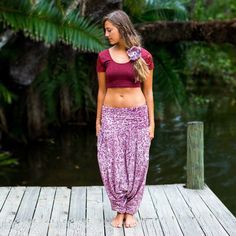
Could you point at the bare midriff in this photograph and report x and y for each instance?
(124, 97)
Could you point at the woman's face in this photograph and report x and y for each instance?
(112, 33)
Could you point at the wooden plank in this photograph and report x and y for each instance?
(167, 218)
(165, 210)
(77, 213)
(108, 216)
(9, 209)
(22, 222)
(146, 209)
(186, 219)
(43, 211)
(152, 227)
(58, 221)
(223, 215)
(204, 216)
(115, 231)
(4, 191)
(95, 222)
(108, 213)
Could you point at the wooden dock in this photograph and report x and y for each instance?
(165, 210)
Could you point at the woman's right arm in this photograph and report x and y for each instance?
(100, 99)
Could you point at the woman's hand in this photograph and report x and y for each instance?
(151, 131)
(98, 127)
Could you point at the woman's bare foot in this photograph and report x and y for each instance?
(118, 220)
(130, 221)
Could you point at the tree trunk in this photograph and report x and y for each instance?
(66, 61)
(172, 32)
(35, 114)
(96, 9)
(65, 104)
(29, 64)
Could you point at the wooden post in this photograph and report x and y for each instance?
(195, 154)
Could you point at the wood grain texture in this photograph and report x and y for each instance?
(168, 210)
(195, 155)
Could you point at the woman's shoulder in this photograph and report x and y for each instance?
(103, 55)
(103, 52)
(147, 56)
(145, 52)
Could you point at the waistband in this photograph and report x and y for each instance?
(108, 108)
(124, 117)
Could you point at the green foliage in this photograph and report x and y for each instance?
(170, 86)
(50, 22)
(175, 65)
(6, 159)
(216, 9)
(173, 72)
(166, 10)
(6, 163)
(58, 73)
(5, 95)
(134, 8)
(83, 76)
(47, 87)
(206, 61)
(200, 100)
(149, 11)
(199, 11)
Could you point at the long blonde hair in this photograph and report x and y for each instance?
(131, 38)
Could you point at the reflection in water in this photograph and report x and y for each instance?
(69, 159)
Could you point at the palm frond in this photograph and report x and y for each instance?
(72, 6)
(153, 10)
(168, 85)
(47, 21)
(171, 14)
(165, 10)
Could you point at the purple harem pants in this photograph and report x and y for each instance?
(123, 145)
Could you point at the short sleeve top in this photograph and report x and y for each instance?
(120, 75)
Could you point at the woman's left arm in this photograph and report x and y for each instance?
(148, 93)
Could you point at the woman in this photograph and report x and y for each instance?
(125, 116)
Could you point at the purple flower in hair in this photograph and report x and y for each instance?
(134, 53)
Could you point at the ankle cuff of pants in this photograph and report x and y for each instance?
(118, 209)
(130, 211)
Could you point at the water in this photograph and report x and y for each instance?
(69, 159)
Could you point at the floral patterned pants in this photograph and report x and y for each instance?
(123, 145)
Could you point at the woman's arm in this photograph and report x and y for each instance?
(100, 98)
(148, 93)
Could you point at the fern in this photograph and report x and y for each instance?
(47, 21)
(169, 87)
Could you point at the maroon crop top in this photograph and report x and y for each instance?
(120, 75)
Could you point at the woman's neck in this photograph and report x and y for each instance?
(120, 46)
